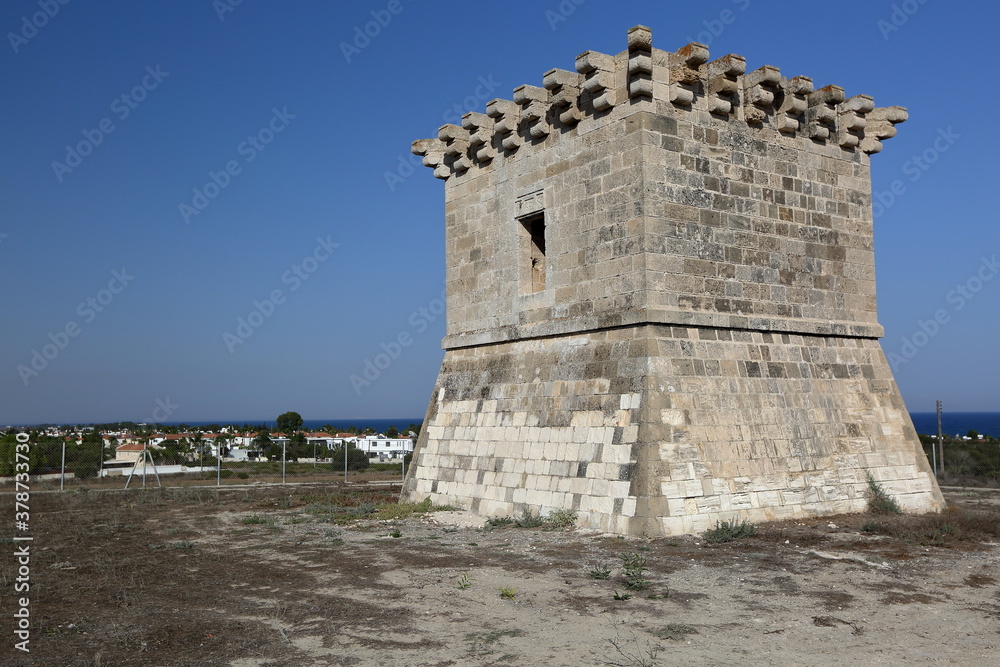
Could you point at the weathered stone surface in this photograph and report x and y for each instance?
(661, 300)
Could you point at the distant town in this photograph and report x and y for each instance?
(100, 449)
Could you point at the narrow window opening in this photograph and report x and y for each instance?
(534, 227)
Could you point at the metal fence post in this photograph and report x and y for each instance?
(62, 469)
(283, 462)
(940, 439)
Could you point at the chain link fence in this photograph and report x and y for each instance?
(973, 462)
(66, 464)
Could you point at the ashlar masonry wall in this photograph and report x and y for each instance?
(661, 301)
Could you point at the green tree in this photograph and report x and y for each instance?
(168, 452)
(8, 447)
(289, 422)
(84, 458)
(974, 434)
(296, 448)
(45, 453)
(262, 441)
(356, 458)
(392, 432)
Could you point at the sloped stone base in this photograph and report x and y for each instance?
(657, 430)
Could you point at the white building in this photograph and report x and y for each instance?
(384, 447)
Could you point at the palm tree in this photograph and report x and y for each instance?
(220, 445)
(198, 443)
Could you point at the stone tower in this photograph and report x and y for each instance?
(661, 301)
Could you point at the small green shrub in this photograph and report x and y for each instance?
(560, 520)
(507, 592)
(728, 531)
(384, 467)
(397, 511)
(675, 631)
(879, 500)
(85, 470)
(633, 570)
(364, 509)
(254, 519)
(499, 522)
(243, 475)
(396, 533)
(465, 581)
(872, 527)
(600, 572)
(622, 596)
(528, 520)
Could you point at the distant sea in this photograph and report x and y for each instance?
(952, 423)
(987, 423)
(379, 425)
(957, 423)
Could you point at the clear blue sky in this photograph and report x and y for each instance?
(329, 125)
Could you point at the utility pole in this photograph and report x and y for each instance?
(940, 446)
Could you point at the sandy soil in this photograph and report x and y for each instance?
(314, 576)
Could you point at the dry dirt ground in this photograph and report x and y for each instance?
(332, 575)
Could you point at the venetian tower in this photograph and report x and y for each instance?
(661, 301)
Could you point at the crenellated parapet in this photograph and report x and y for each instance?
(684, 81)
